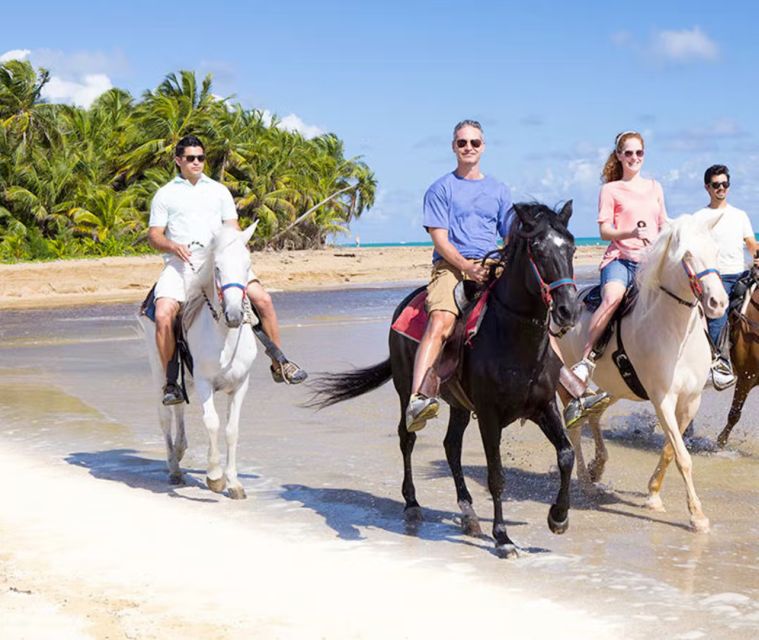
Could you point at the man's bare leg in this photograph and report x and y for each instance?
(166, 310)
(421, 408)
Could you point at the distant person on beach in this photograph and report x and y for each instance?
(465, 213)
(186, 212)
(631, 212)
(732, 233)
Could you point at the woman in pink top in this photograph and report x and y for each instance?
(631, 213)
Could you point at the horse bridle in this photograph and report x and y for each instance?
(221, 288)
(546, 288)
(694, 280)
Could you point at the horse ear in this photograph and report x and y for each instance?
(713, 220)
(248, 233)
(566, 213)
(524, 214)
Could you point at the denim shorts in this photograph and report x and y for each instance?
(622, 271)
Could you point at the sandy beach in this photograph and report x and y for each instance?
(77, 282)
(95, 544)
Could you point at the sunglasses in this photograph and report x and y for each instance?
(720, 185)
(200, 158)
(629, 153)
(476, 143)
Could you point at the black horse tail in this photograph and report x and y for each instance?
(331, 388)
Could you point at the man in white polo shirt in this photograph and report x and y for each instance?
(188, 210)
(732, 233)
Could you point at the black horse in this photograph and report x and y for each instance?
(509, 372)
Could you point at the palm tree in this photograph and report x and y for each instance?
(21, 110)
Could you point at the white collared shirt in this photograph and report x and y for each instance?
(192, 213)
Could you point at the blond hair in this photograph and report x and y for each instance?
(613, 168)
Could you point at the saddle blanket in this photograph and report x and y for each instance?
(412, 321)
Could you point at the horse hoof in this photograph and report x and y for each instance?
(413, 515)
(655, 504)
(471, 526)
(595, 472)
(722, 439)
(218, 485)
(176, 478)
(236, 493)
(507, 551)
(557, 526)
(700, 525)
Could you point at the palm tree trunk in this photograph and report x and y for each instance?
(312, 209)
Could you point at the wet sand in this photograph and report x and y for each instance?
(100, 281)
(96, 544)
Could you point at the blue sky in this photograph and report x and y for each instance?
(552, 84)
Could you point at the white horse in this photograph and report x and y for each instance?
(216, 321)
(664, 337)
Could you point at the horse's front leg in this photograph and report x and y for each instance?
(235, 488)
(490, 432)
(412, 511)
(172, 459)
(551, 425)
(457, 424)
(180, 440)
(674, 421)
(214, 473)
(575, 438)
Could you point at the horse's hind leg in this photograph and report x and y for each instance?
(739, 397)
(214, 473)
(412, 511)
(235, 489)
(457, 424)
(597, 465)
(551, 425)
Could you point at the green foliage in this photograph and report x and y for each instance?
(78, 182)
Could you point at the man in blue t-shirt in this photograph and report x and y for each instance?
(465, 213)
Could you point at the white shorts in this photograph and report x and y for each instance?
(172, 283)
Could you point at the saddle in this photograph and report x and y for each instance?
(182, 358)
(412, 321)
(592, 300)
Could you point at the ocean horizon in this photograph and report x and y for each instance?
(580, 242)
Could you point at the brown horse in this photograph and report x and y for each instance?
(744, 336)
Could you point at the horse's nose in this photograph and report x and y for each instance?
(567, 313)
(233, 320)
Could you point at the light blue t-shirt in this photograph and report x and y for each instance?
(476, 213)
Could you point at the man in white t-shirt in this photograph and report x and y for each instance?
(733, 232)
(187, 211)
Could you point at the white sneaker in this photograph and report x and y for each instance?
(722, 380)
(584, 369)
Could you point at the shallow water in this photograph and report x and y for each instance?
(75, 385)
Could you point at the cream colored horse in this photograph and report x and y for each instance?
(664, 337)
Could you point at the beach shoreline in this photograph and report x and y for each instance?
(128, 279)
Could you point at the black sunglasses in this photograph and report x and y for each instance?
(200, 158)
(628, 153)
(720, 185)
(476, 143)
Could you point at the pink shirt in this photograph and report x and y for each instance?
(624, 207)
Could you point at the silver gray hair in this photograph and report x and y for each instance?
(467, 123)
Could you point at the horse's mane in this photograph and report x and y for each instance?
(669, 248)
(201, 284)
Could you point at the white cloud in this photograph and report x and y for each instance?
(685, 45)
(15, 54)
(78, 77)
(291, 123)
(82, 93)
(294, 123)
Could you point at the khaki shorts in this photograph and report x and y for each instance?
(172, 283)
(443, 281)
